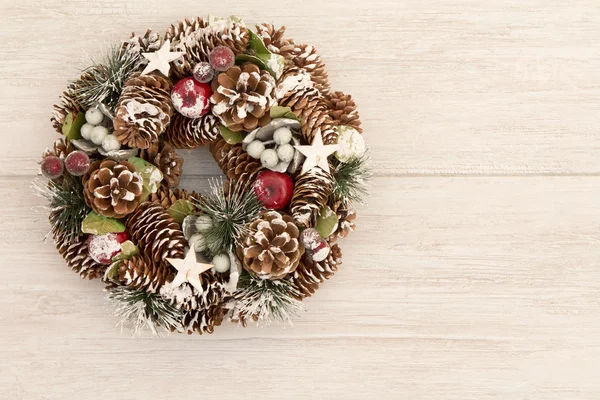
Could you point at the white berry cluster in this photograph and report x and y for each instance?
(282, 151)
(95, 130)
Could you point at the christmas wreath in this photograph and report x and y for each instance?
(251, 247)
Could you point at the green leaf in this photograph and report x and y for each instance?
(181, 209)
(274, 63)
(242, 58)
(257, 44)
(151, 175)
(72, 126)
(230, 136)
(96, 224)
(327, 222)
(128, 250)
(283, 112)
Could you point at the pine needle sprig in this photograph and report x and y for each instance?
(266, 300)
(349, 180)
(67, 205)
(231, 208)
(103, 82)
(143, 310)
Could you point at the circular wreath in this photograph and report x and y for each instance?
(253, 246)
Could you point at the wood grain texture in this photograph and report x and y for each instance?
(474, 273)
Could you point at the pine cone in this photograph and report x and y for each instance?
(197, 38)
(311, 191)
(309, 274)
(164, 156)
(235, 163)
(190, 133)
(275, 41)
(113, 189)
(59, 149)
(144, 110)
(242, 97)
(271, 250)
(201, 311)
(148, 43)
(167, 197)
(346, 222)
(309, 105)
(143, 274)
(75, 253)
(156, 233)
(305, 56)
(342, 109)
(67, 103)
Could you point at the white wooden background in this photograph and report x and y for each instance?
(475, 273)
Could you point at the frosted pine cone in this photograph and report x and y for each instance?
(346, 223)
(275, 41)
(309, 274)
(235, 163)
(148, 43)
(271, 250)
(143, 274)
(189, 133)
(59, 149)
(167, 197)
(113, 189)
(306, 57)
(164, 156)
(144, 110)
(242, 97)
(75, 253)
(311, 191)
(342, 109)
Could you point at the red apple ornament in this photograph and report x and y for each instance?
(52, 167)
(191, 98)
(222, 58)
(274, 189)
(102, 248)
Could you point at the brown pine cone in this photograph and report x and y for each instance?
(342, 109)
(305, 56)
(59, 149)
(309, 105)
(201, 311)
(197, 38)
(271, 250)
(148, 43)
(144, 110)
(164, 156)
(346, 222)
(67, 103)
(75, 253)
(143, 274)
(275, 41)
(311, 191)
(309, 274)
(235, 163)
(167, 197)
(156, 233)
(190, 133)
(242, 97)
(111, 188)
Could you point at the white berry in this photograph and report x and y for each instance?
(286, 152)
(203, 222)
(198, 242)
(221, 262)
(269, 158)
(110, 143)
(255, 148)
(86, 131)
(98, 134)
(282, 135)
(94, 116)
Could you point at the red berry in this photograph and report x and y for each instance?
(274, 189)
(77, 163)
(102, 248)
(203, 72)
(222, 58)
(191, 98)
(52, 167)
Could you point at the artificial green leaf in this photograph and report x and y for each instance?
(151, 175)
(72, 126)
(128, 250)
(96, 224)
(242, 58)
(113, 270)
(274, 63)
(230, 136)
(283, 112)
(327, 222)
(257, 44)
(181, 209)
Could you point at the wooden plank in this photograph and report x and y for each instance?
(452, 288)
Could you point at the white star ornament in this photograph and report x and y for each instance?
(188, 270)
(316, 154)
(160, 59)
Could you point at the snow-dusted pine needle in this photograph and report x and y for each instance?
(143, 310)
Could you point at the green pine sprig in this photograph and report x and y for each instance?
(103, 82)
(266, 300)
(349, 180)
(66, 205)
(143, 310)
(231, 210)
